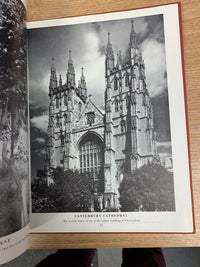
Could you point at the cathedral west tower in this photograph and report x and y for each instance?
(129, 140)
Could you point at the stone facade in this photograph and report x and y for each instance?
(106, 144)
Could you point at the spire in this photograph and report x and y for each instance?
(133, 41)
(109, 56)
(82, 84)
(53, 77)
(70, 57)
(53, 69)
(82, 75)
(60, 81)
(119, 58)
(132, 26)
(109, 38)
(109, 47)
(70, 72)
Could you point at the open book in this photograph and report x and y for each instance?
(103, 107)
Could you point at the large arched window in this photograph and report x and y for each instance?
(90, 156)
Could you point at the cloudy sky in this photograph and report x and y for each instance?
(88, 44)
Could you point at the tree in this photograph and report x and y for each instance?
(13, 67)
(71, 191)
(40, 191)
(10, 203)
(149, 188)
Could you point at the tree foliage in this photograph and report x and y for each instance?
(39, 191)
(71, 191)
(13, 94)
(12, 48)
(149, 188)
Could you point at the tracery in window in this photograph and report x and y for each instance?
(90, 157)
(90, 117)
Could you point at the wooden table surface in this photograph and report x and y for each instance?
(49, 9)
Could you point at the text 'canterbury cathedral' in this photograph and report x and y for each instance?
(106, 145)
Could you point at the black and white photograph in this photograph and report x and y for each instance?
(99, 116)
(14, 173)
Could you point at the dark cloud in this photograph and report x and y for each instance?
(96, 27)
(161, 117)
(156, 27)
(102, 50)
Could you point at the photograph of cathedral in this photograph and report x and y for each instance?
(105, 121)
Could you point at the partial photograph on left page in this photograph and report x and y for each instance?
(14, 170)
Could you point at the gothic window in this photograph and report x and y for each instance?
(65, 118)
(62, 138)
(116, 105)
(57, 121)
(57, 102)
(115, 83)
(127, 79)
(79, 106)
(90, 158)
(90, 117)
(65, 100)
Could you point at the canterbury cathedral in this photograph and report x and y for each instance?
(105, 144)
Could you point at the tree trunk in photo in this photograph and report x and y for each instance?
(5, 156)
(14, 110)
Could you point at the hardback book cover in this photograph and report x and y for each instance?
(105, 129)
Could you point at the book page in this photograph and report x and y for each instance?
(109, 146)
(14, 165)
